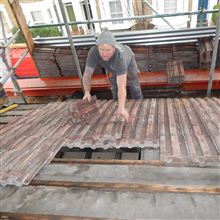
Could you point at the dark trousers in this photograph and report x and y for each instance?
(133, 84)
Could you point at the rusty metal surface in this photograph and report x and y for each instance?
(187, 130)
(190, 131)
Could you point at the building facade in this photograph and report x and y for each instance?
(40, 12)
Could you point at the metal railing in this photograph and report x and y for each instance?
(149, 38)
(129, 18)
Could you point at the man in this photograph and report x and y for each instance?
(120, 66)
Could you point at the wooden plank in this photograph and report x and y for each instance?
(128, 187)
(142, 174)
(175, 71)
(28, 216)
(122, 162)
(63, 201)
(19, 16)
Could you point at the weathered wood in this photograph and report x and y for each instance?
(123, 162)
(127, 187)
(28, 216)
(128, 173)
(175, 72)
(19, 16)
(205, 52)
(108, 204)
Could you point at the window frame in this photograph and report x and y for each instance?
(116, 14)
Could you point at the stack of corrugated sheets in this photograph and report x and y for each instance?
(46, 63)
(58, 61)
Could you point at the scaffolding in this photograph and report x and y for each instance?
(157, 15)
(6, 60)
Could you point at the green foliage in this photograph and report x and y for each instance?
(20, 37)
(215, 15)
(45, 32)
(41, 32)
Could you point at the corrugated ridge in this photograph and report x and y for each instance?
(187, 130)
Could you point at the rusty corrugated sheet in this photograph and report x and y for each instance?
(190, 131)
(186, 130)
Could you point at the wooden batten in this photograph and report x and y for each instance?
(19, 16)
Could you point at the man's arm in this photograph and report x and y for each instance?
(87, 77)
(122, 95)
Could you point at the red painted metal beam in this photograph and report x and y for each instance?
(194, 80)
(27, 67)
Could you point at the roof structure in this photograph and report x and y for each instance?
(186, 130)
(182, 182)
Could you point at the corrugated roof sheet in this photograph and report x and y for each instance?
(187, 130)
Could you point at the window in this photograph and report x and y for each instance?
(37, 17)
(116, 11)
(170, 6)
(71, 15)
(86, 14)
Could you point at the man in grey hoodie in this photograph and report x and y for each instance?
(120, 66)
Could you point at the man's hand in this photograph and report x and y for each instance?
(87, 95)
(124, 113)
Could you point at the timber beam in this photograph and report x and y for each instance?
(19, 16)
(27, 216)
